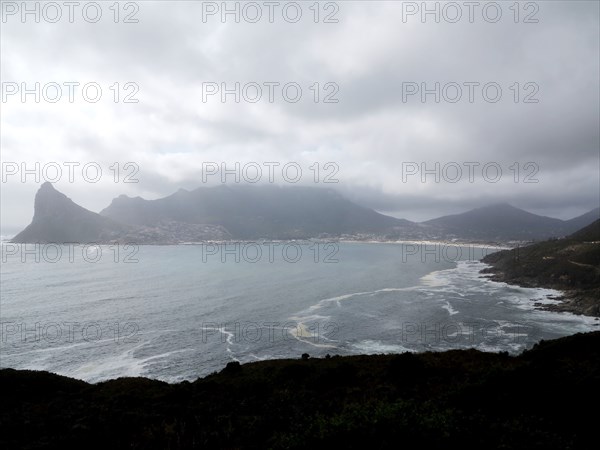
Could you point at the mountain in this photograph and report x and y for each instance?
(571, 264)
(58, 219)
(269, 212)
(220, 213)
(503, 222)
(253, 212)
(591, 233)
(577, 223)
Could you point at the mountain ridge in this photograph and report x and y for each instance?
(57, 218)
(271, 212)
(258, 212)
(500, 222)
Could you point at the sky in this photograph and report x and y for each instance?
(415, 115)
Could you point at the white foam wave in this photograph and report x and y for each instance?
(448, 307)
(371, 347)
(111, 366)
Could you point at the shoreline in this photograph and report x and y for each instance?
(494, 246)
(457, 398)
(576, 301)
(234, 364)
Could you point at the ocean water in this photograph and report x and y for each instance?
(181, 312)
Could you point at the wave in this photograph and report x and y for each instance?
(373, 347)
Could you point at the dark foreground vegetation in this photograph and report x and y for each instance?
(546, 398)
(571, 265)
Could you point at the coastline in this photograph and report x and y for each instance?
(493, 246)
(458, 398)
(575, 301)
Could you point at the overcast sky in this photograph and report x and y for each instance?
(376, 134)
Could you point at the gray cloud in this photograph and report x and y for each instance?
(370, 133)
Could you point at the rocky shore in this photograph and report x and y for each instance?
(581, 302)
(570, 265)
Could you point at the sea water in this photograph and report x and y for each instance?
(182, 312)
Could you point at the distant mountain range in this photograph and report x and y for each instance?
(257, 212)
(503, 222)
(270, 212)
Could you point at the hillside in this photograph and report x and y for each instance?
(457, 399)
(269, 212)
(571, 264)
(500, 222)
(220, 213)
(582, 221)
(257, 212)
(58, 219)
